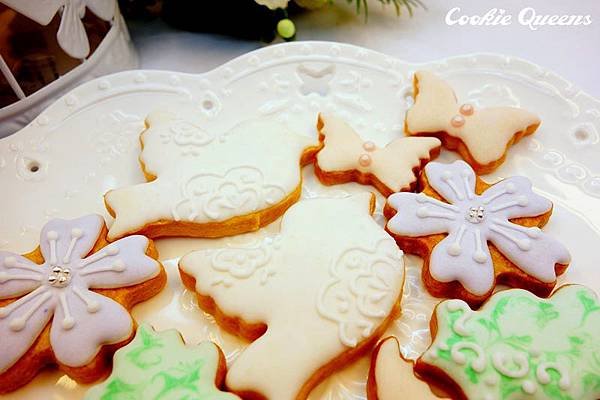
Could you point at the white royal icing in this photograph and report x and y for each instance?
(324, 285)
(485, 132)
(394, 375)
(204, 177)
(471, 220)
(82, 320)
(393, 165)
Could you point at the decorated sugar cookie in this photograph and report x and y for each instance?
(481, 136)
(518, 346)
(67, 302)
(311, 299)
(158, 365)
(473, 235)
(209, 184)
(391, 376)
(346, 157)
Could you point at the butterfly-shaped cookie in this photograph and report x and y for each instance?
(345, 157)
(481, 136)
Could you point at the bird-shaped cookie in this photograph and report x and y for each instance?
(311, 299)
(346, 157)
(481, 136)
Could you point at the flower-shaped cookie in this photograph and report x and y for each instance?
(158, 365)
(517, 346)
(52, 284)
(479, 235)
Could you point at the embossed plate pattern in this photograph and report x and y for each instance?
(87, 143)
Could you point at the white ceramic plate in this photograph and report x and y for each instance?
(87, 143)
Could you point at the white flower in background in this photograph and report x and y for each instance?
(274, 4)
(71, 34)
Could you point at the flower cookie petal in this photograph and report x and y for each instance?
(63, 241)
(463, 256)
(21, 323)
(419, 215)
(454, 182)
(530, 249)
(83, 322)
(18, 275)
(119, 264)
(513, 198)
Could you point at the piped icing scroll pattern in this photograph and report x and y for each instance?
(243, 263)
(519, 346)
(199, 177)
(159, 365)
(359, 293)
(485, 133)
(471, 220)
(60, 290)
(345, 157)
(326, 284)
(214, 197)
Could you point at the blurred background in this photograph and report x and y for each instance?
(49, 47)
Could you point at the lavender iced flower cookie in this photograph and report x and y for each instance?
(473, 235)
(67, 303)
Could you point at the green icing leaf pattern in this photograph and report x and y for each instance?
(160, 366)
(519, 346)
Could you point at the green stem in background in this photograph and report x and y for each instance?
(398, 5)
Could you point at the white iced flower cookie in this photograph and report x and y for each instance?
(481, 136)
(473, 235)
(310, 299)
(345, 157)
(208, 184)
(391, 376)
(517, 346)
(159, 365)
(64, 302)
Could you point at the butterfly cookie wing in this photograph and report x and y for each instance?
(342, 145)
(490, 131)
(395, 165)
(435, 105)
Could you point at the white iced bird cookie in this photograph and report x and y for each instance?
(481, 136)
(345, 157)
(391, 376)
(205, 184)
(311, 299)
(474, 235)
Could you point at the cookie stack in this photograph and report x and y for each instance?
(322, 292)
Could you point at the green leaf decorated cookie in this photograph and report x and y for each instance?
(159, 365)
(517, 346)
